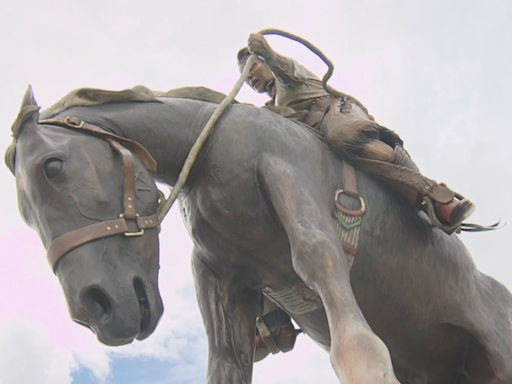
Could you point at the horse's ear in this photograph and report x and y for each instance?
(29, 111)
(28, 98)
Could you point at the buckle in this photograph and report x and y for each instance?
(132, 234)
(74, 122)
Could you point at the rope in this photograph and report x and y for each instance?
(329, 89)
(194, 151)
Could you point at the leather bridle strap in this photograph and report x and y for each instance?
(73, 239)
(80, 125)
(129, 179)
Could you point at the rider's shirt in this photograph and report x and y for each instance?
(295, 85)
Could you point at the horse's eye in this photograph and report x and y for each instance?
(52, 167)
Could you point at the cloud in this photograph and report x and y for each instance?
(28, 356)
(34, 318)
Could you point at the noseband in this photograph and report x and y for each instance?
(73, 239)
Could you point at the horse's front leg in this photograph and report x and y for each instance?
(358, 356)
(229, 315)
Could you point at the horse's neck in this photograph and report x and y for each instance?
(166, 130)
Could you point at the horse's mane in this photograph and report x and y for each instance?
(84, 97)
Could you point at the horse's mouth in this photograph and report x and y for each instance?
(145, 312)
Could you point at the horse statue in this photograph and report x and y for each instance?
(268, 209)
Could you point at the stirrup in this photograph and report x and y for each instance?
(266, 336)
(457, 228)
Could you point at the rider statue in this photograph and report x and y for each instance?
(353, 135)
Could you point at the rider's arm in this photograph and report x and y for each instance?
(285, 69)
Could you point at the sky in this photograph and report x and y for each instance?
(437, 72)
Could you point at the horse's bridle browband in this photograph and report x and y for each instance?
(73, 239)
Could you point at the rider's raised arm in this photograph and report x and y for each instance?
(285, 69)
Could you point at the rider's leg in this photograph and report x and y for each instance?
(351, 134)
(451, 213)
(378, 150)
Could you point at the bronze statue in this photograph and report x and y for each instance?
(270, 211)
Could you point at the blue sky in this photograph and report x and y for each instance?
(145, 371)
(130, 370)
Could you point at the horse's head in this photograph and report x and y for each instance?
(93, 205)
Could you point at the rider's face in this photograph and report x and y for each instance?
(259, 76)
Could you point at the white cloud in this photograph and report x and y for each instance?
(34, 320)
(28, 356)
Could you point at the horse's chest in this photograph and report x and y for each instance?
(231, 217)
(231, 200)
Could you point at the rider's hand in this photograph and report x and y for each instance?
(258, 44)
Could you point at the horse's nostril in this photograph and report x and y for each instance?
(99, 304)
(144, 309)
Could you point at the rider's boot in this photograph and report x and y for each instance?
(445, 208)
(276, 333)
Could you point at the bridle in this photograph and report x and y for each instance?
(63, 244)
